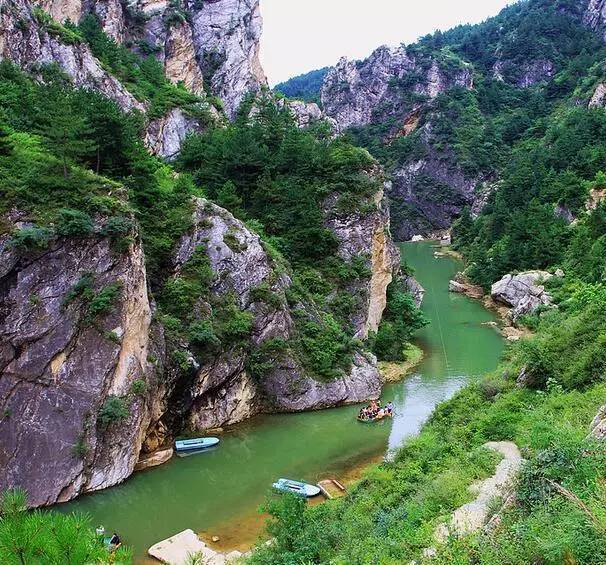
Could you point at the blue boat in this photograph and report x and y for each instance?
(196, 444)
(296, 487)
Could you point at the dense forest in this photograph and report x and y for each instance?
(304, 87)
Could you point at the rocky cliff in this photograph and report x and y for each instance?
(76, 383)
(30, 41)
(212, 48)
(389, 84)
(224, 388)
(594, 16)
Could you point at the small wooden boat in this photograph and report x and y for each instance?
(296, 487)
(196, 444)
(331, 488)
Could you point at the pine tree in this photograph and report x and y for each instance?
(6, 147)
(67, 133)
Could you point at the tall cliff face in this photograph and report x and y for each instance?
(74, 340)
(366, 234)
(224, 389)
(31, 43)
(210, 46)
(370, 91)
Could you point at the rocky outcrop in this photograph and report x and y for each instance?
(165, 135)
(597, 429)
(594, 16)
(288, 389)
(415, 289)
(223, 391)
(76, 384)
(180, 64)
(307, 114)
(366, 235)
(360, 93)
(226, 34)
(598, 98)
(29, 44)
(524, 292)
(525, 75)
(427, 194)
(462, 285)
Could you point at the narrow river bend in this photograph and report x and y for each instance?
(219, 492)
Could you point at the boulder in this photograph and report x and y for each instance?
(524, 292)
(598, 425)
(461, 285)
(415, 289)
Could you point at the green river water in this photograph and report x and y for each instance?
(218, 492)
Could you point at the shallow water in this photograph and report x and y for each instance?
(218, 492)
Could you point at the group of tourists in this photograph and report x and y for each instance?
(374, 411)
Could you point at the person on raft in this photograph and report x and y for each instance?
(375, 412)
(115, 542)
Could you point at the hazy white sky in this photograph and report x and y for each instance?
(301, 35)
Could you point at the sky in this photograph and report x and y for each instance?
(302, 35)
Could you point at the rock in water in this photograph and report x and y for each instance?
(523, 292)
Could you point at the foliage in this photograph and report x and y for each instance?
(400, 320)
(113, 410)
(46, 537)
(304, 87)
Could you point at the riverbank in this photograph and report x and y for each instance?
(393, 372)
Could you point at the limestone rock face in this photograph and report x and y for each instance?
(594, 16)
(289, 390)
(436, 187)
(306, 114)
(222, 391)
(367, 235)
(360, 93)
(226, 34)
(598, 99)
(164, 135)
(59, 365)
(62, 10)
(111, 16)
(523, 292)
(415, 289)
(525, 75)
(180, 64)
(25, 42)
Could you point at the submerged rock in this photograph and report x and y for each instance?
(524, 292)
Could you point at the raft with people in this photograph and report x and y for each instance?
(375, 413)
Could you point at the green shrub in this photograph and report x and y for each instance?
(138, 387)
(32, 238)
(113, 410)
(202, 335)
(104, 301)
(74, 223)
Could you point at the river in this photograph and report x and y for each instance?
(218, 492)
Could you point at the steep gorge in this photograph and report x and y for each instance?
(96, 375)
